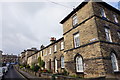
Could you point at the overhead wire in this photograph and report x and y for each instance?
(59, 4)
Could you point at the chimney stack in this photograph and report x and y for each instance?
(33, 48)
(42, 46)
(53, 39)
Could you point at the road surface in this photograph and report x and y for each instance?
(13, 74)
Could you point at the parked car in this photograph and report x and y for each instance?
(5, 69)
(1, 73)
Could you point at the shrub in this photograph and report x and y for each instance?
(21, 67)
(65, 72)
(35, 67)
(27, 66)
(41, 62)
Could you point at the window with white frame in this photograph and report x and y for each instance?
(103, 13)
(62, 62)
(115, 18)
(118, 34)
(55, 48)
(76, 40)
(114, 62)
(79, 64)
(46, 53)
(42, 53)
(50, 51)
(108, 34)
(62, 45)
(75, 21)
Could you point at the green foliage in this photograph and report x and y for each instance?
(21, 67)
(75, 76)
(41, 62)
(32, 66)
(35, 67)
(65, 72)
(27, 66)
(49, 71)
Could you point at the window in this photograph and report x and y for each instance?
(108, 35)
(62, 62)
(62, 45)
(42, 53)
(46, 53)
(79, 64)
(103, 13)
(115, 18)
(114, 62)
(76, 40)
(56, 69)
(50, 51)
(118, 34)
(55, 48)
(75, 21)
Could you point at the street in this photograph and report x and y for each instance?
(12, 74)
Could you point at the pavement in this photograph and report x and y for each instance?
(27, 75)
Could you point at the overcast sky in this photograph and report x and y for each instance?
(29, 24)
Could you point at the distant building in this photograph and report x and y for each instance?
(9, 58)
(25, 54)
(0, 58)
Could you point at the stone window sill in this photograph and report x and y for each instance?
(79, 72)
(116, 71)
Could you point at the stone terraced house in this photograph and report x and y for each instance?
(0, 58)
(90, 46)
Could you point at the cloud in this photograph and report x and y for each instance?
(30, 24)
(0, 26)
(27, 25)
(54, 0)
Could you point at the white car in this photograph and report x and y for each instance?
(1, 73)
(5, 69)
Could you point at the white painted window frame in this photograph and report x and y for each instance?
(76, 40)
(103, 14)
(115, 18)
(118, 34)
(62, 62)
(75, 20)
(50, 51)
(114, 62)
(62, 45)
(55, 48)
(108, 34)
(79, 64)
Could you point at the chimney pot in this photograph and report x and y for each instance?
(53, 39)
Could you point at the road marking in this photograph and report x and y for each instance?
(21, 74)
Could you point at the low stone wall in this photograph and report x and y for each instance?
(48, 76)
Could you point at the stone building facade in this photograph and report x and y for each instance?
(25, 56)
(0, 58)
(90, 46)
(10, 58)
